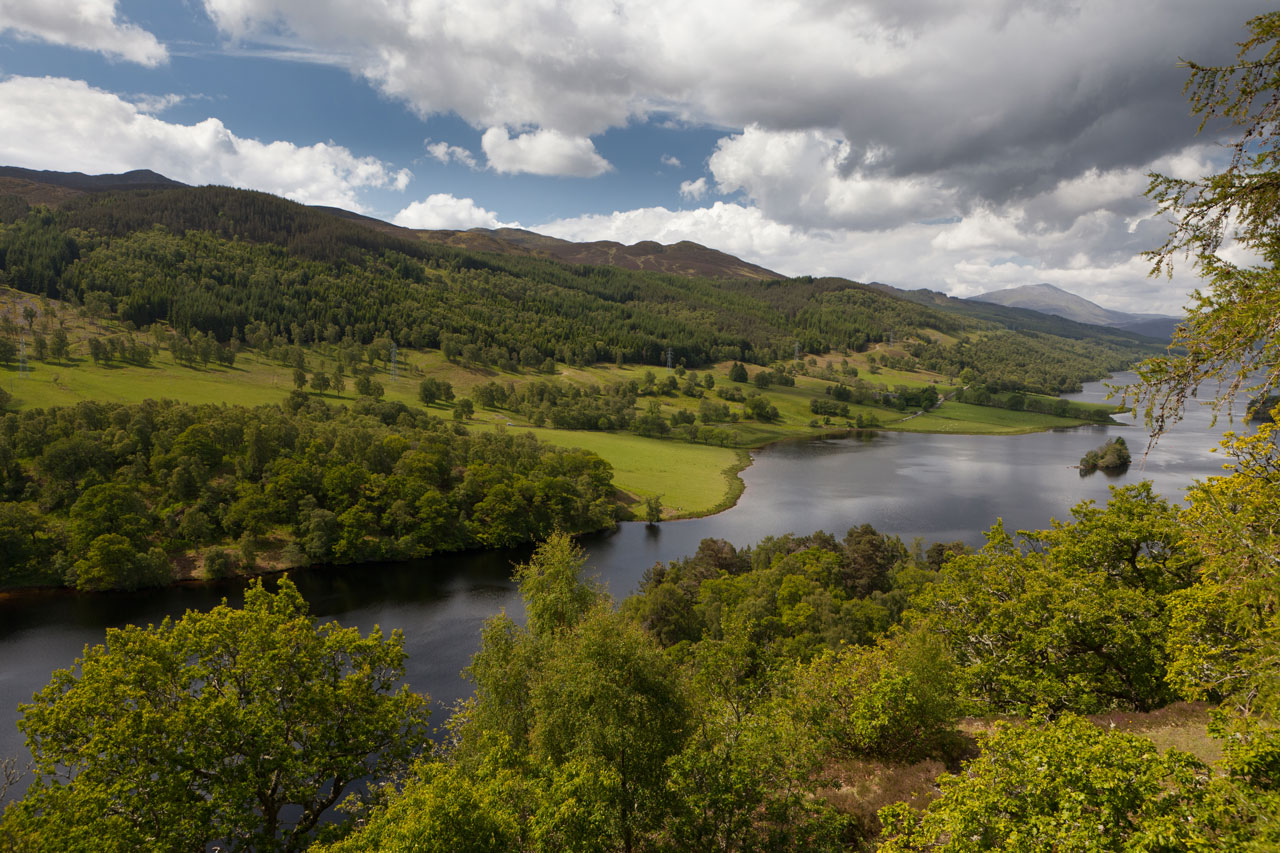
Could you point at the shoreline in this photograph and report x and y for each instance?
(735, 487)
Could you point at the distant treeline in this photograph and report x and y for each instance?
(102, 495)
(1018, 402)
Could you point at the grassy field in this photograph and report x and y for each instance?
(692, 479)
(952, 417)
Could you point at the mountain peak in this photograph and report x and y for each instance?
(1050, 299)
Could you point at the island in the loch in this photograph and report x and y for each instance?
(1112, 456)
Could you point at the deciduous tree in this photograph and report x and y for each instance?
(240, 726)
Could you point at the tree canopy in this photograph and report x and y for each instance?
(1231, 333)
(240, 726)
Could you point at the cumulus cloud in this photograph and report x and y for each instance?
(446, 153)
(693, 190)
(69, 125)
(86, 24)
(998, 98)
(441, 211)
(670, 160)
(542, 152)
(807, 178)
(732, 228)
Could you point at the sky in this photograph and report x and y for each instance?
(958, 146)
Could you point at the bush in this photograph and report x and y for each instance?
(897, 701)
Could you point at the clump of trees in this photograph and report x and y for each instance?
(103, 495)
(1113, 455)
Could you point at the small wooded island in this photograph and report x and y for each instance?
(1111, 456)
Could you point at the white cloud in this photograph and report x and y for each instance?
(693, 190)
(542, 152)
(155, 103)
(86, 24)
(732, 228)
(69, 125)
(670, 160)
(441, 211)
(938, 85)
(446, 153)
(812, 178)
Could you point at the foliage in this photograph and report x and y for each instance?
(555, 598)
(1073, 619)
(237, 726)
(1230, 333)
(583, 735)
(895, 701)
(586, 698)
(1225, 634)
(1068, 785)
(1113, 455)
(1225, 638)
(95, 489)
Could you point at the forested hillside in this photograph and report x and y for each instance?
(248, 265)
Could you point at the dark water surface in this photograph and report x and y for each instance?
(938, 487)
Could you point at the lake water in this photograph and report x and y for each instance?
(937, 487)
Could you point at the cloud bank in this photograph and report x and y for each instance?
(1004, 140)
(80, 128)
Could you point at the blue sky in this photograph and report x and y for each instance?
(960, 147)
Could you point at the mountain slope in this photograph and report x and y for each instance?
(1048, 299)
(683, 258)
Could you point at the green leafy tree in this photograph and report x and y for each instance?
(555, 596)
(896, 701)
(1225, 630)
(239, 727)
(1073, 618)
(431, 390)
(114, 562)
(653, 509)
(1067, 785)
(1229, 333)
(444, 809)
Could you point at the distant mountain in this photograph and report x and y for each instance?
(1048, 299)
(683, 258)
(54, 188)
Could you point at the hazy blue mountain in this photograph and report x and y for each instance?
(1048, 299)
